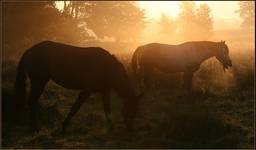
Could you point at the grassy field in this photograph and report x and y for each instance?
(220, 114)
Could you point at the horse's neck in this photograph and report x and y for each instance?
(206, 52)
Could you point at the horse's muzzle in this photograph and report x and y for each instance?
(230, 63)
(226, 65)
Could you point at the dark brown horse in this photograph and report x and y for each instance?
(185, 57)
(89, 70)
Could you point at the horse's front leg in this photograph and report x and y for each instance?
(106, 102)
(187, 81)
(83, 95)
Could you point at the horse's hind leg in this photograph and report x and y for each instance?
(83, 95)
(37, 87)
(106, 102)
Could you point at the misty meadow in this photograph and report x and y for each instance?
(128, 74)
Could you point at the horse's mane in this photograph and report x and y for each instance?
(119, 65)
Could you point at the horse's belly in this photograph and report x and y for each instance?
(170, 67)
(79, 81)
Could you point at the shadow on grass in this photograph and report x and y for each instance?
(198, 126)
(180, 121)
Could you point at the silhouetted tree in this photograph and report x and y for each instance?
(187, 20)
(195, 23)
(119, 20)
(71, 9)
(204, 21)
(26, 23)
(247, 13)
(168, 26)
(23, 20)
(65, 6)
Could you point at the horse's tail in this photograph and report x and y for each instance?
(135, 64)
(20, 85)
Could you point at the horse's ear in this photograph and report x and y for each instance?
(222, 42)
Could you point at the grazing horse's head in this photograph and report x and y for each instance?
(123, 86)
(223, 55)
(130, 111)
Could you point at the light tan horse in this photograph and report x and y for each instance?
(185, 57)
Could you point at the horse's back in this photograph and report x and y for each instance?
(166, 57)
(163, 51)
(71, 66)
(54, 52)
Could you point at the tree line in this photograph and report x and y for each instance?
(120, 21)
(192, 23)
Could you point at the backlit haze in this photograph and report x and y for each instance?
(223, 11)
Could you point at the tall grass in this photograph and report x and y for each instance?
(219, 115)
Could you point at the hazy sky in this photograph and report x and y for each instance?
(223, 11)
